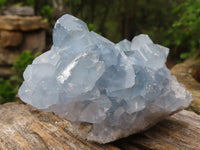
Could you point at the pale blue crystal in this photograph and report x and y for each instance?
(119, 89)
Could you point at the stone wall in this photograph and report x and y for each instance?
(18, 33)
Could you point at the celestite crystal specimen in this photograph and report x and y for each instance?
(118, 89)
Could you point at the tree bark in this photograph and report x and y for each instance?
(23, 127)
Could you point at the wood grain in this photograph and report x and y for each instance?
(23, 127)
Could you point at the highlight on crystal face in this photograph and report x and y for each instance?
(118, 89)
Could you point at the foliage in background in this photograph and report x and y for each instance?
(184, 36)
(2, 3)
(7, 91)
(47, 12)
(30, 2)
(9, 87)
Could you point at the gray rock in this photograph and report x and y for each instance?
(19, 11)
(119, 89)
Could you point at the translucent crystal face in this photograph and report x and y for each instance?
(118, 88)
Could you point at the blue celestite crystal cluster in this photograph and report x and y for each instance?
(118, 89)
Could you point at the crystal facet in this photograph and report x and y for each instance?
(118, 89)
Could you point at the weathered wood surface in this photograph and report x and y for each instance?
(23, 127)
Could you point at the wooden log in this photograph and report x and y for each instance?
(23, 127)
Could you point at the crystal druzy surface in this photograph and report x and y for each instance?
(118, 89)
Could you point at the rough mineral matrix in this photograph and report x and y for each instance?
(117, 89)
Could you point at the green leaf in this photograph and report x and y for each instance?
(47, 11)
